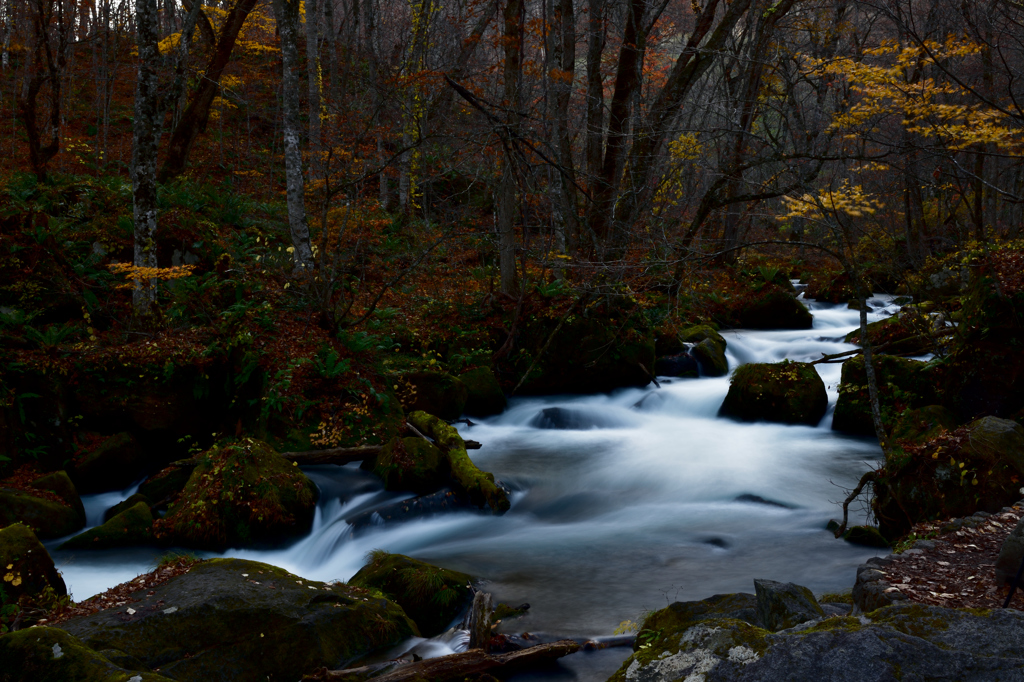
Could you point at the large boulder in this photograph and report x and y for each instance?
(787, 392)
(132, 526)
(436, 393)
(907, 333)
(770, 308)
(46, 654)
(978, 466)
(1010, 555)
(125, 505)
(166, 485)
(52, 511)
(484, 395)
(25, 567)
(901, 641)
(707, 348)
(433, 597)
(231, 619)
(113, 465)
(410, 464)
(902, 384)
(240, 494)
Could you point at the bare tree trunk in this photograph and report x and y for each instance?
(144, 188)
(563, 61)
(8, 19)
(595, 88)
(506, 204)
(331, 47)
(287, 15)
(46, 62)
(313, 11)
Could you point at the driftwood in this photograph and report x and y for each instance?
(459, 666)
(346, 455)
(480, 621)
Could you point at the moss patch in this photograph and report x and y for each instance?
(787, 392)
(53, 655)
(129, 527)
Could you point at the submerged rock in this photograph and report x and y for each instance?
(433, 597)
(26, 568)
(569, 419)
(867, 536)
(231, 619)
(47, 654)
(787, 392)
(132, 526)
(240, 494)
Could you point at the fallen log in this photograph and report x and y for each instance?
(479, 485)
(458, 666)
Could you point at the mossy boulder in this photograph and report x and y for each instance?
(592, 354)
(979, 466)
(786, 392)
(113, 465)
(124, 505)
(702, 332)
(167, 484)
(433, 597)
(907, 333)
(47, 514)
(231, 619)
(46, 654)
(59, 483)
(922, 424)
(902, 641)
(902, 384)
(26, 569)
(770, 308)
(240, 494)
(710, 355)
(436, 393)
(484, 395)
(132, 526)
(410, 464)
(866, 536)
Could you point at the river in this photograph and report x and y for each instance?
(656, 500)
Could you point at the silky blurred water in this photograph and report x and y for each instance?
(638, 510)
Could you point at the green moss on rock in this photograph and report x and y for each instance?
(59, 483)
(484, 397)
(231, 619)
(867, 536)
(769, 308)
(903, 384)
(52, 655)
(430, 595)
(123, 505)
(923, 423)
(787, 392)
(26, 569)
(48, 518)
(132, 526)
(410, 464)
(240, 494)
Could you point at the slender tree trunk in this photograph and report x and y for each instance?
(313, 11)
(193, 121)
(595, 89)
(144, 188)
(8, 18)
(331, 47)
(506, 204)
(561, 76)
(287, 15)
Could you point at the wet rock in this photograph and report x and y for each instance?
(484, 397)
(52, 655)
(757, 499)
(770, 308)
(908, 332)
(167, 484)
(1010, 555)
(47, 517)
(59, 483)
(231, 619)
(993, 440)
(113, 465)
(26, 569)
(436, 393)
(410, 464)
(902, 384)
(784, 605)
(710, 355)
(442, 501)
(124, 505)
(682, 365)
(867, 536)
(787, 392)
(132, 526)
(569, 419)
(433, 597)
(240, 494)
(873, 589)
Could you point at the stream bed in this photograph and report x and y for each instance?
(649, 498)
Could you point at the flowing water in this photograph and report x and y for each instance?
(649, 498)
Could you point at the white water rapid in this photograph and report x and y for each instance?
(659, 500)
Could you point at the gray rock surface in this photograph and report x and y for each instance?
(784, 605)
(1011, 554)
